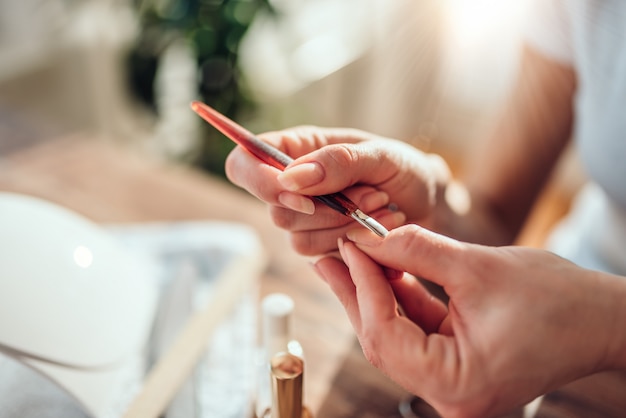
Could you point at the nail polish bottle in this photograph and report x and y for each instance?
(287, 374)
(277, 337)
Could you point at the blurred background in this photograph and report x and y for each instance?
(430, 72)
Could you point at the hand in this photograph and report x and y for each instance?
(519, 322)
(370, 170)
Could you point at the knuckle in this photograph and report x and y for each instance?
(281, 217)
(410, 236)
(343, 155)
(301, 242)
(313, 135)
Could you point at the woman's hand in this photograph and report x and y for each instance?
(519, 322)
(374, 172)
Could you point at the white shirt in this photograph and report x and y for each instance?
(590, 35)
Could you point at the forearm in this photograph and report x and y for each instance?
(469, 218)
(506, 171)
(615, 313)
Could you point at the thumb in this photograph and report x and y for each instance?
(416, 250)
(336, 167)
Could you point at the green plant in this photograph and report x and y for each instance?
(214, 29)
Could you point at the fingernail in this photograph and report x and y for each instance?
(391, 220)
(301, 176)
(394, 219)
(297, 202)
(316, 263)
(317, 269)
(362, 236)
(341, 249)
(374, 200)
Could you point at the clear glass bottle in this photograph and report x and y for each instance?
(277, 337)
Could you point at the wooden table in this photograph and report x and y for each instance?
(110, 183)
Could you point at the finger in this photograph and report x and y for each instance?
(391, 342)
(300, 140)
(418, 304)
(381, 294)
(416, 250)
(247, 171)
(336, 274)
(337, 166)
(258, 178)
(320, 241)
(295, 142)
(375, 296)
(367, 199)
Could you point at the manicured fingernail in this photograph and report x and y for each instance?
(374, 200)
(301, 176)
(362, 236)
(317, 269)
(316, 263)
(297, 202)
(393, 219)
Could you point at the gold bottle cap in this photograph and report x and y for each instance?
(287, 373)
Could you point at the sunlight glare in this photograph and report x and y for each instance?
(482, 39)
(474, 21)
